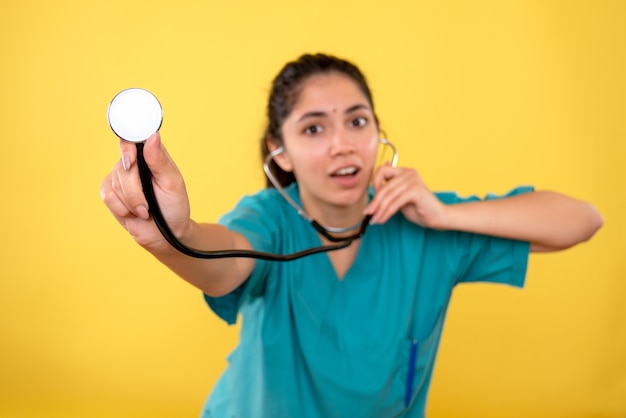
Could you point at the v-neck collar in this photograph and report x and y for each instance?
(294, 193)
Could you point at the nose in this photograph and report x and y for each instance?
(342, 143)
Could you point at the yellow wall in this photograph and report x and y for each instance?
(480, 96)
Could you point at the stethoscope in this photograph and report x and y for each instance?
(135, 114)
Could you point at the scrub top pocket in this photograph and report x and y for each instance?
(418, 369)
(372, 381)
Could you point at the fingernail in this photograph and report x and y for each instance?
(142, 212)
(125, 161)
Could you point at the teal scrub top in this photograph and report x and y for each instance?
(312, 345)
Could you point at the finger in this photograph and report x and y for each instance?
(112, 200)
(127, 186)
(383, 174)
(392, 198)
(399, 184)
(128, 151)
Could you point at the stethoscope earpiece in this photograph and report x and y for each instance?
(323, 229)
(135, 114)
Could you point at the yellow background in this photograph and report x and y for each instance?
(480, 96)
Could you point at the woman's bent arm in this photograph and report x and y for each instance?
(549, 221)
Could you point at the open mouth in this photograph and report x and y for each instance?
(345, 172)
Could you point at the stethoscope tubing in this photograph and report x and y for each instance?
(128, 124)
(145, 176)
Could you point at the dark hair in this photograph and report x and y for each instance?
(285, 91)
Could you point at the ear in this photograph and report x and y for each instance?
(282, 159)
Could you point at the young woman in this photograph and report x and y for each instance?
(353, 332)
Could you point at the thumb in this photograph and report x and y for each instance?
(157, 158)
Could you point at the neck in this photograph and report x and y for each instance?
(334, 216)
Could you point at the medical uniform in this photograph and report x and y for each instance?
(312, 345)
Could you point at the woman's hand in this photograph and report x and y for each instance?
(402, 189)
(122, 193)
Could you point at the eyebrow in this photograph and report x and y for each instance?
(315, 114)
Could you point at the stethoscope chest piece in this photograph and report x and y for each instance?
(135, 114)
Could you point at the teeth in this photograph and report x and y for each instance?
(346, 171)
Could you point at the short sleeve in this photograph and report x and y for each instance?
(493, 260)
(490, 259)
(251, 218)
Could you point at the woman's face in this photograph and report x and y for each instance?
(330, 140)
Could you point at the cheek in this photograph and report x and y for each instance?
(303, 153)
(310, 160)
(370, 149)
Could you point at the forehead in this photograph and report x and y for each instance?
(329, 91)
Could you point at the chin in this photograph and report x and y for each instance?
(351, 198)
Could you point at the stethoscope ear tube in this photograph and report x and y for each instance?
(145, 176)
(325, 230)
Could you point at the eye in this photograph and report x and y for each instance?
(313, 129)
(360, 121)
